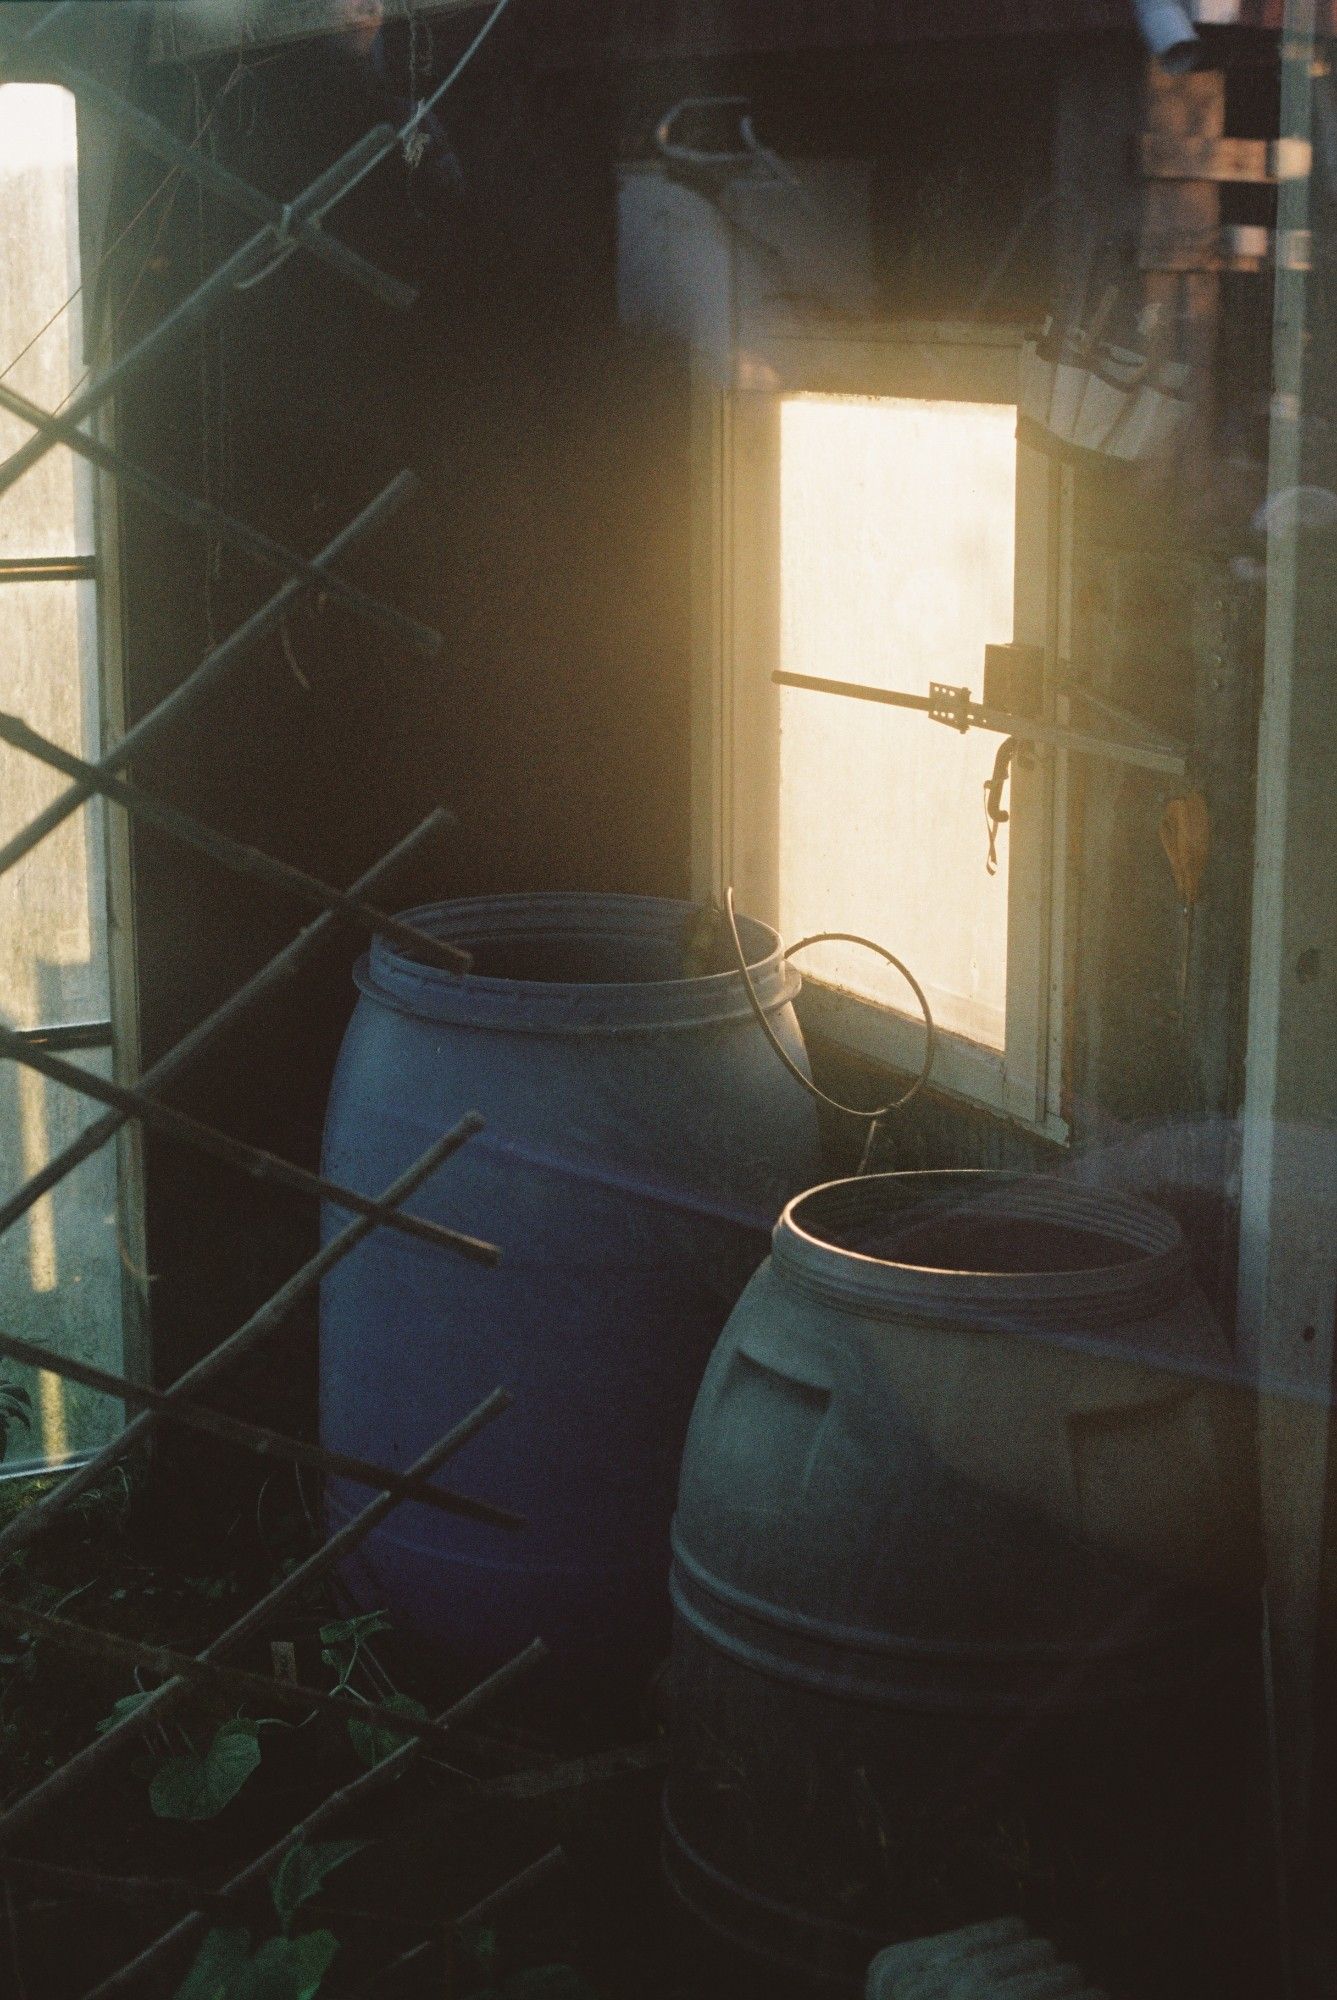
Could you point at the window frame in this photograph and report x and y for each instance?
(735, 645)
(98, 573)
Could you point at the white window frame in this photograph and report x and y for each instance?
(101, 667)
(736, 704)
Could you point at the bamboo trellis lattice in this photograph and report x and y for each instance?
(284, 229)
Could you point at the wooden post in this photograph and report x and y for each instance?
(1288, 1225)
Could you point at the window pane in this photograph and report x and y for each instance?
(53, 952)
(49, 511)
(897, 539)
(60, 1268)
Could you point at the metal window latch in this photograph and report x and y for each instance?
(949, 704)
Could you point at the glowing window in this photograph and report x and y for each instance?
(875, 520)
(60, 1267)
(896, 560)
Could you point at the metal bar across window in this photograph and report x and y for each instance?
(47, 569)
(258, 1438)
(1171, 760)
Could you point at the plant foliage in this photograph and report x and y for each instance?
(199, 1787)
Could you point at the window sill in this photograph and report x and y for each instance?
(963, 1070)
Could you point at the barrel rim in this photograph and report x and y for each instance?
(883, 1287)
(389, 977)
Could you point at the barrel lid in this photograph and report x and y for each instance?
(568, 963)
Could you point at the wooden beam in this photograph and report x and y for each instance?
(1288, 1211)
(1167, 157)
(1256, 161)
(1196, 241)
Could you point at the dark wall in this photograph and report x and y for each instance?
(545, 542)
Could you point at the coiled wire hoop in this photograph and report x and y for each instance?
(873, 1118)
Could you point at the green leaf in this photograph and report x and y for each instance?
(222, 1959)
(372, 1740)
(127, 1705)
(291, 1968)
(282, 1969)
(303, 1869)
(194, 1787)
(348, 1631)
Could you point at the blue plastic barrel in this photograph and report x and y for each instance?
(640, 1141)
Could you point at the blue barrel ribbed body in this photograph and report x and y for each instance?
(640, 1139)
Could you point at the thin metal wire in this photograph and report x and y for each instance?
(429, 105)
(263, 1442)
(211, 668)
(72, 1773)
(835, 937)
(34, 1519)
(211, 519)
(316, 1822)
(404, 137)
(235, 854)
(281, 966)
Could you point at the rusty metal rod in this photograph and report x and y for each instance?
(76, 1769)
(258, 1438)
(233, 1683)
(316, 1822)
(209, 519)
(235, 854)
(167, 1066)
(210, 670)
(255, 1160)
(31, 1521)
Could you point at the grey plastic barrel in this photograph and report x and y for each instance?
(961, 1538)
